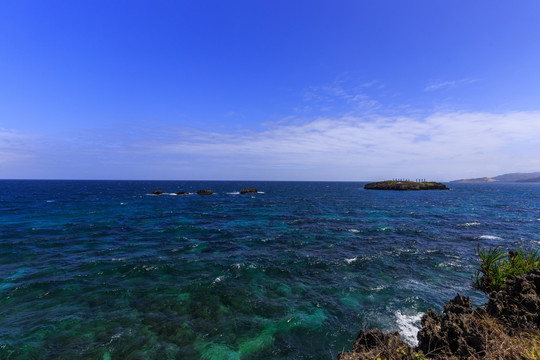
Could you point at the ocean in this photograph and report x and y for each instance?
(105, 270)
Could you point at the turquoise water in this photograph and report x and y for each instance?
(103, 270)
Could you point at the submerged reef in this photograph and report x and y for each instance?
(506, 328)
(405, 185)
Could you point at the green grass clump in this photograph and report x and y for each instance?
(497, 266)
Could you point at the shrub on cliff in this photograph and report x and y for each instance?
(497, 266)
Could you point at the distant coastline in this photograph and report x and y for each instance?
(533, 177)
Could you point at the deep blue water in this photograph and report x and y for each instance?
(103, 270)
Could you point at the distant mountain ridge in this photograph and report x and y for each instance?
(517, 177)
(475, 180)
(533, 177)
(533, 180)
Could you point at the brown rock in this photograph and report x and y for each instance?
(518, 306)
(248, 191)
(453, 335)
(460, 333)
(405, 185)
(375, 344)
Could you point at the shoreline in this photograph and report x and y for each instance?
(507, 326)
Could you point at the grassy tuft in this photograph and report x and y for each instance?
(497, 266)
(500, 345)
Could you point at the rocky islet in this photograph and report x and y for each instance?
(405, 185)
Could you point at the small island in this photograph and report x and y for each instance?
(405, 185)
(248, 191)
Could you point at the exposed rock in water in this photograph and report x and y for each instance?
(204, 192)
(405, 185)
(182, 193)
(497, 331)
(157, 192)
(248, 191)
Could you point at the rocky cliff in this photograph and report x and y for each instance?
(506, 328)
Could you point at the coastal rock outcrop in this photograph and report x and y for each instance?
(452, 335)
(157, 192)
(204, 192)
(405, 185)
(368, 346)
(506, 328)
(518, 306)
(248, 191)
(182, 193)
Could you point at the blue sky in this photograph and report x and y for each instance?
(269, 90)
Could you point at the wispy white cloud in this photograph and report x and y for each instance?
(448, 84)
(339, 98)
(15, 146)
(441, 146)
(444, 145)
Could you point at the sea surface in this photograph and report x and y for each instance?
(105, 270)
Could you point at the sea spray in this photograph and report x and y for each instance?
(408, 326)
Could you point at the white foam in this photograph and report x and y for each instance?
(409, 326)
(354, 230)
(238, 192)
(490, 237)
(474, 223)
(348, 261)
(50, 201)
(452, 264)
(218, 279)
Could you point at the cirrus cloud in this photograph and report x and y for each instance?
(440, 146)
